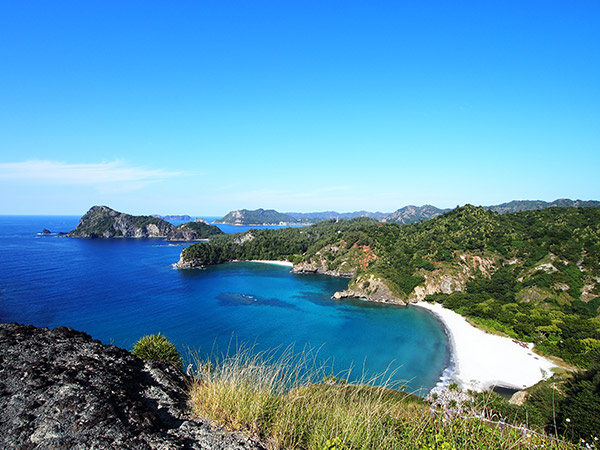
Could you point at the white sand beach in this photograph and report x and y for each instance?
(484, 360)
(278, 263)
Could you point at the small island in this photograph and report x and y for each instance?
(106, 223)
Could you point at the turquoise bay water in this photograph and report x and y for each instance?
(119, 290)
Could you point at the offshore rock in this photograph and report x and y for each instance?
(61, 389)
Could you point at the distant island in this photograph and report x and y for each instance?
(174, 217)
(405, 215)
(257, 217)
(106, 223)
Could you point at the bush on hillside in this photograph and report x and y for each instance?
(156, 347)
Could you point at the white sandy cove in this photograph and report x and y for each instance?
(484, 360)
(278, 263)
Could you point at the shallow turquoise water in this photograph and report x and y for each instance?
(119, 290)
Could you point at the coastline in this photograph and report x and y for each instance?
(482, 360)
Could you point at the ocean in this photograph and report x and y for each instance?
(119, 290)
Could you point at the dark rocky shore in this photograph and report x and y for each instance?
(61, 389)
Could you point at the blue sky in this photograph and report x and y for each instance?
(203, 107)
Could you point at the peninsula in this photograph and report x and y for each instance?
(104, 222)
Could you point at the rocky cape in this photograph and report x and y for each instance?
(104, 222)
(61, 389)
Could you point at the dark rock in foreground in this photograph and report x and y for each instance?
(61, 389)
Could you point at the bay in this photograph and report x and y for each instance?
(119, 290)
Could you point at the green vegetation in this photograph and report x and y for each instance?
(539, 411)
(565, 405)
(277, 400)
(256, 217)
(579, 412)
(156, 347)
(412, 214)
(203, 230)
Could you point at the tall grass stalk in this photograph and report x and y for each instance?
(279, 397)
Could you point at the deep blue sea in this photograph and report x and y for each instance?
(119, 290)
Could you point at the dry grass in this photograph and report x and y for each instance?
(281, 401)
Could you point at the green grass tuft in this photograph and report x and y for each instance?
(156, 347)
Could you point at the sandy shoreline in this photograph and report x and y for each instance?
(277, 263)
(484, 360)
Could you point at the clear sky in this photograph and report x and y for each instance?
(203, 107)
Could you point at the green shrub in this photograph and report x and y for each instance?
(156, 347)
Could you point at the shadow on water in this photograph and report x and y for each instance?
(237, 299)
(328, 300)
(505, 392)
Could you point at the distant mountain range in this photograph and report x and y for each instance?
(405, 215)
(530, 205)
(328, 215)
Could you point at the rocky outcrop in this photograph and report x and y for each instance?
(244, 237)
(372, 288)
(104, 222)
(443, 283)
(192, 263)
(312, 267)
(453, 277)
(61, 389)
